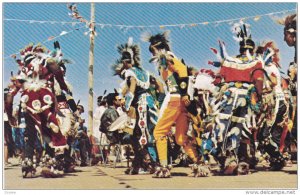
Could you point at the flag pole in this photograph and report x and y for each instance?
(91, 72)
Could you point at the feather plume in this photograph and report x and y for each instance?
(215, 51)
(224, 49)
(236, 28)
(279, 21)
(242, 31)
(133, 50)
(161, 57)
(116, 91)
(117, 67)
(245, 30)
(204, 81)
(146, 36)
(290, 19)
(159, 40)
(248, 55)
(270, 46)
(130, 41)
(167, 34)
(237, 39)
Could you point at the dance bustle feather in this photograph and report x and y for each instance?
(271, 52)
(117, 68)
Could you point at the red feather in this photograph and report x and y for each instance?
(214, 50)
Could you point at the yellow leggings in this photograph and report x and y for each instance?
(175, 112)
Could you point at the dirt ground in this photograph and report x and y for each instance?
(110, 177)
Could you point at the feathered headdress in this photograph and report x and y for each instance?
(130, 52)
(31, 57)
(159, 41)
(290, 23)
(39, 55)
(243, 35)
(270, 52)
(28, 49)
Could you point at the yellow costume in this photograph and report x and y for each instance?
(174, 75)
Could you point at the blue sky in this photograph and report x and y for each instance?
(190, 43)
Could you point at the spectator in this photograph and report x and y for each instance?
(18, 133)
(8, 139)
(84, 144)
(109, 116)
(99, 137)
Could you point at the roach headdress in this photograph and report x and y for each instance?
(291, 24)
(130, 52)
(159, 41)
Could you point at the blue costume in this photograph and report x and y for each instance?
(140, 106)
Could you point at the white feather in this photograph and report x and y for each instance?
(146, 36)
(270, 54)
(247, 26)
(57, 88)
(167, 34)
(224, 50)
(58, 53)
(248, 55)
(280, 21)
(219, 57)
(130, 41)
(204, 82)
(259, 58)
(248, 32)
(237, 39)
(236, 28)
